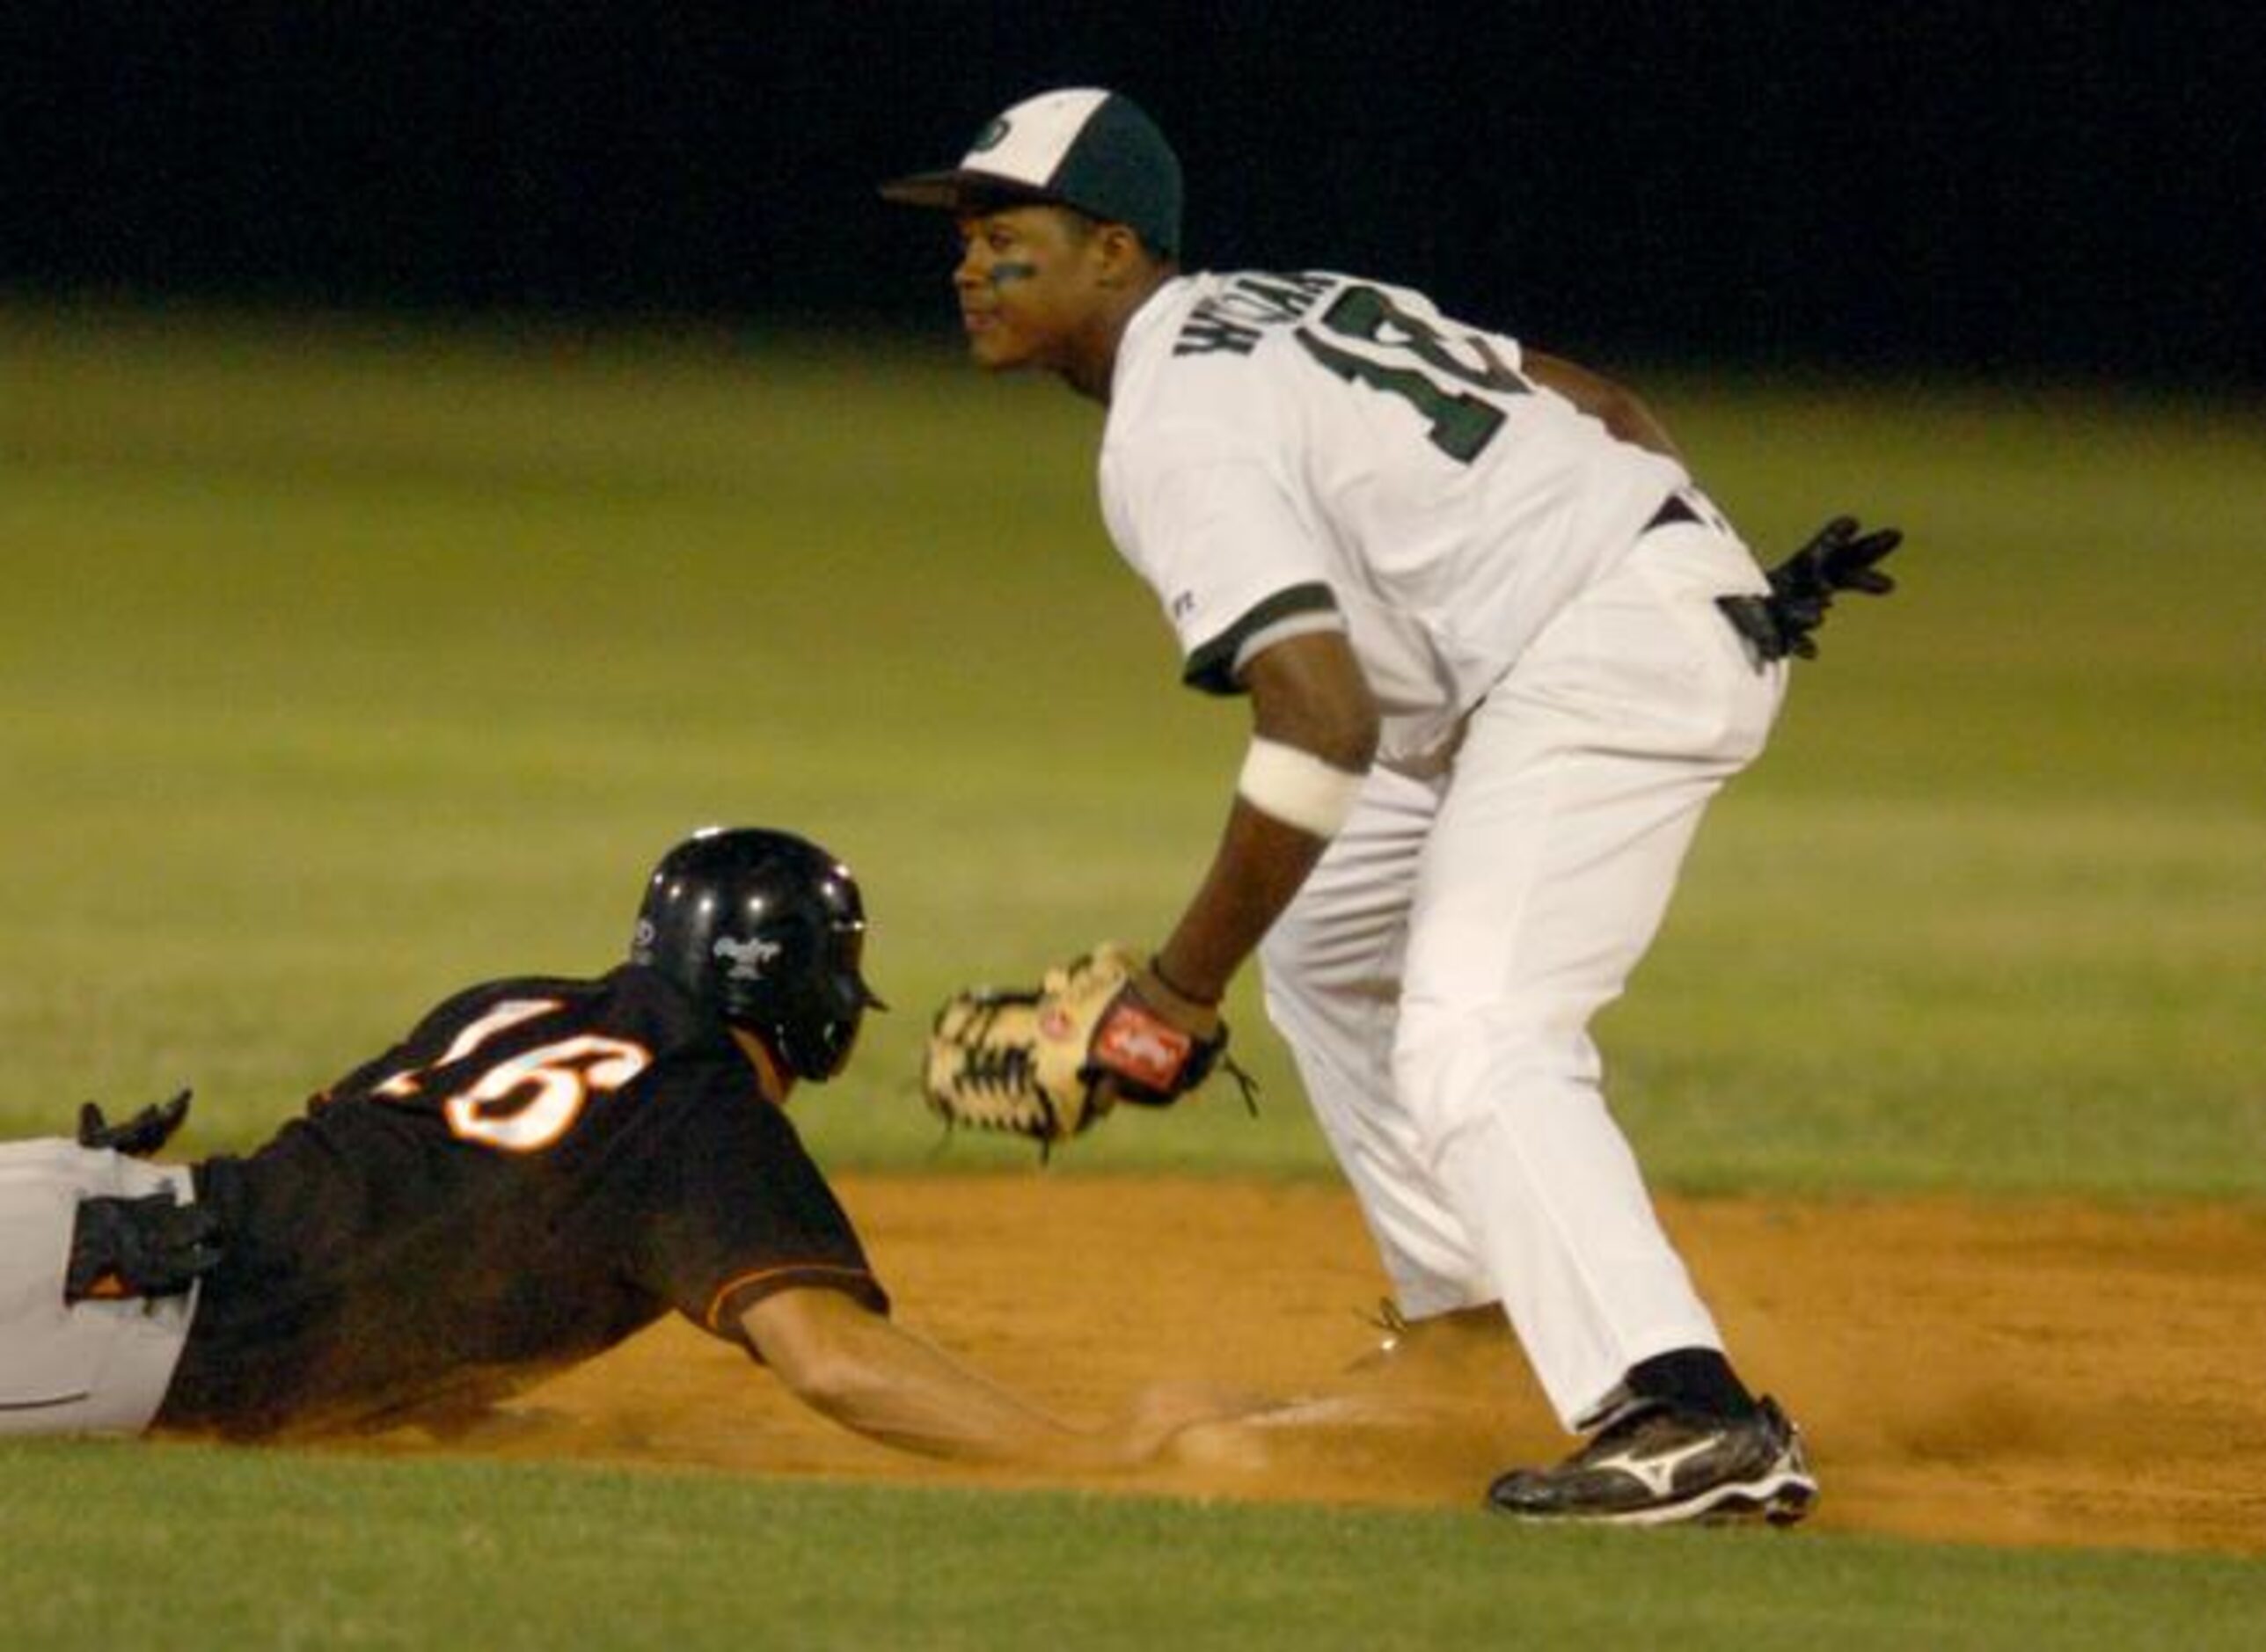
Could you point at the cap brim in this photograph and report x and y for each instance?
(952, 189)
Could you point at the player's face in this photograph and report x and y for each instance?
(1030, 288)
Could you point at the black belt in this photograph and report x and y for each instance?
(1672, 510)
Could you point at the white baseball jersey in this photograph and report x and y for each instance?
(1285, 452)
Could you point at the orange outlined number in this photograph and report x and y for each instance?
(527, 1102)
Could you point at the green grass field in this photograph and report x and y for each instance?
(345, 665)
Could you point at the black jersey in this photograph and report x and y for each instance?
(540, 1168)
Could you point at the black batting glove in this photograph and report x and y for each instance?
(147, 1246)
(146, 1133)
(1839, 557)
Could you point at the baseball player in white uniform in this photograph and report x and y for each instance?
(1472, 597)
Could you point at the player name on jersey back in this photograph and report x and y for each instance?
(1234, 319)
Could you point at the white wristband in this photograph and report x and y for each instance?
(1297, 787)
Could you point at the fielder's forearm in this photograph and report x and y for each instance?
(1260, 865)
(1314, 726)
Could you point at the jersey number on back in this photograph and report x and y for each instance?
(1439, 384)
(525, 1102)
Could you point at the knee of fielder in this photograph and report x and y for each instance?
(1455, 1064)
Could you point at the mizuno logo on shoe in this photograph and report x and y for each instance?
(1657, 1471)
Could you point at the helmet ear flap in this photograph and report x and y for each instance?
(766, 929)
(832, 997)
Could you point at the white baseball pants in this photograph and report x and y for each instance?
(1436, 976)
(84, 1367)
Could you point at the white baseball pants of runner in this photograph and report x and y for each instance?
(83, 1367)
(1436, 975)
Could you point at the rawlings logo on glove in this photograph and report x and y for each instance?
(1049, 1063)
(1132, 1044)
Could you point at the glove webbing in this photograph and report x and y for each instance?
(1002, 1069)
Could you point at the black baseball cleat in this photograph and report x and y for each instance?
(1663, 1465)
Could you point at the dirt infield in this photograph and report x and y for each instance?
(2011, 1374)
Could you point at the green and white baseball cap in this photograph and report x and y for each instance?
(1080, 147)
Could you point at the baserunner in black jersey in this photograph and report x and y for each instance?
(541, 1166)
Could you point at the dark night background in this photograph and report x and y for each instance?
(2065, 192)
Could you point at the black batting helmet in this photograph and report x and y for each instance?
(767, 928)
